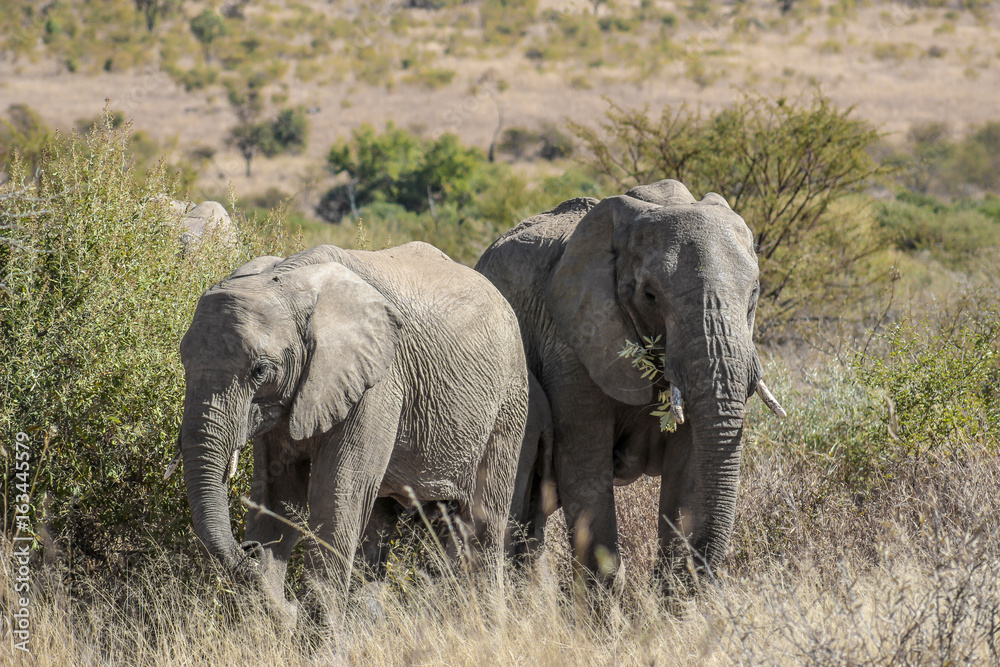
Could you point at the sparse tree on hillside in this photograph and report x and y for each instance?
(207, 27)
(249, 139)
(288, 131)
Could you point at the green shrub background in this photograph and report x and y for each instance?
(97, 294)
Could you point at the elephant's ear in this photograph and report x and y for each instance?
(350, 334)
(667, 192)
(581, 297)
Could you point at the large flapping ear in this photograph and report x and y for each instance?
(582, 298)
(351, 336)
(667, 192)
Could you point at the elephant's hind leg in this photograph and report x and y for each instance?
(495, 478)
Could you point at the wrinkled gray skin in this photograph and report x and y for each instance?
(357, 374)
(588, 275)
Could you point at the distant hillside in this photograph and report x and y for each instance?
(174, 66)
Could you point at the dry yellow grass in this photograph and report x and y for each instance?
(816, 575)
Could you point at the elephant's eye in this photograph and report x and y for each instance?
(260, 371)
(650, 296)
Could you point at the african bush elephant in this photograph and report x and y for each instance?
(585, 277)
(359, 375)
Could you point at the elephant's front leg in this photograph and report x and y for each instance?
(280, 481)
(584, 471)
(676, 513)
(347, 471)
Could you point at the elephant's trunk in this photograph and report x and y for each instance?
(716, 446)
(206, 452)
(698, 502)
(715, 371)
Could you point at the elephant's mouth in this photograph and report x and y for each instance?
(264, 417)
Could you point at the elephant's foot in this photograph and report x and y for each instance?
(314, 627)
(284, 615)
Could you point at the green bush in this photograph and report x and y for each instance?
(96, 297)
(952, 233)
(193, 78)
(399, 167)
(925, 389)
(516, 141)
(431, 77)
(437, 190)
(506, 21)
(938, 164)
(938, 381)
(556, 144)
(289, 132)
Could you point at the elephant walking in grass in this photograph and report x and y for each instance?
(585, 277)
(395, 374)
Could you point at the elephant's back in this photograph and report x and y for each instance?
(519, 264)
(457, 323)
(520, 261)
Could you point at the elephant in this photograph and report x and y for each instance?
(196, 221)
(533, 499)
(395, 375)
(588, 275)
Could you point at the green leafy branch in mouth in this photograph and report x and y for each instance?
(647, 357)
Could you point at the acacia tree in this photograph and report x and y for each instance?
(246, 97)
(207, 27)
(783, 165)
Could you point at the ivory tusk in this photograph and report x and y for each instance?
(172, 467)
(769, 400)
(677, 404)
(235, 461)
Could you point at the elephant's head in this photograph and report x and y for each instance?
(275, 343)
(657, 262)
